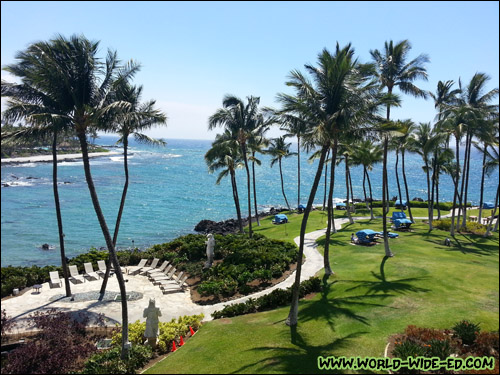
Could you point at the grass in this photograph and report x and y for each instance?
(368, 299)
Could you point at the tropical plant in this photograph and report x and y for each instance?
(225, 154)
(338, 97)
(393, 70)
(279, 150)
(78, 84)
(243, 120)
(131, 121)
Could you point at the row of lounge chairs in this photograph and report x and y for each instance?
(162, 275)
(80, 278)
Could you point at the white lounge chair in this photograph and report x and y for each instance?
(102, 269)
(179, 284)
(182, 281)
(165, 278)
(160, 275)
(89, 271)
(158, 270)
(137, 269)
(178, 277)
(75, 276)
(54, 278)
(152, 267)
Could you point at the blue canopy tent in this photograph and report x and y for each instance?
(280, 219)
(488, 205)
(398, 215)
(366, 235)
(402, 223)
(389, 234)
(301, 208)
(340, 206)
(398, 204)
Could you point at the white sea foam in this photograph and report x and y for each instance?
(171, 156)
(17, 183)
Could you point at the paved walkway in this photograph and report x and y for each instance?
(172, 305)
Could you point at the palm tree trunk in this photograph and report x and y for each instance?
(455, 194)
(467, 183)
(109, 243)
(466, 159)
(371, 196)
(119, 216)
(59, 217)
(488, 227)
(482, 185)
(429, 202)
(244, 151)
(397, 180)
(255, 192)
(236, 200)
(294, 307)
(348, 207)
(406, 184)
(326, 257)
(433, 184)
(352, 194)
(326, 184)
(298, 169)
(282, 185)
(385, 189)
(437, 195)
(364, 188)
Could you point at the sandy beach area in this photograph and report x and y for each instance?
(48, 158)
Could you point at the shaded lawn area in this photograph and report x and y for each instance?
(368, 299)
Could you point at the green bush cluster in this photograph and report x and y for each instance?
(466, 331)
(109, 362)
(470, 226)
(277, 298)
(21, 277)
(168, 332)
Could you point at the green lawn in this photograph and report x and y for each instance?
(368, 299)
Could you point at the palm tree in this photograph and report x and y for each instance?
(345, 151)
(131, 122)
(243, 121)
(79, 84)
(338, 98)
(406, 128)
(393, 70)
(367, 154)
(442, 158)
(225, 154)
(424, 142)
(294, 126)
(256, 143)
(279, 150)
(492, 162)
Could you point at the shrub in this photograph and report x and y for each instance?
(61, 346)
(277, 298)
(487, 343)
(466, 331)
(109, 362)
(423, 335)
(470, 226)
(438, 348)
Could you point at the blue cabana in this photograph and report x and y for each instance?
(340, 206)
(489, 205)
(398, 215)
(389, 234)
(366, 235)
(402, 223)
(301, 208)
(280, 219)
(399, 204)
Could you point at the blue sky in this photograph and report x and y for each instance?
(193, 53)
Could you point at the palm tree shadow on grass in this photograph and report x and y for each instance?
(300, 359)
(382, 285)
(468, 244)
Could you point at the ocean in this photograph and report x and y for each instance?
(170, 191)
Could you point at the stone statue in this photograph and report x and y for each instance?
(151, 313)
(210, 250)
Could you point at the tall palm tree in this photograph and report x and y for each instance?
(393, 70)
(294, 126)
(367, 154)
(243, 121)
(279, 150)
(256, 143)
(79, 82)
(406, 128)
(136, 118)
(442, 158)
(225, 154)
(337, 97)
(424, 142)
(345, 152)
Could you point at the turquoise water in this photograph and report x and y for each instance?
(170, 191)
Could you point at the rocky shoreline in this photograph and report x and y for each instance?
(231, 225)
